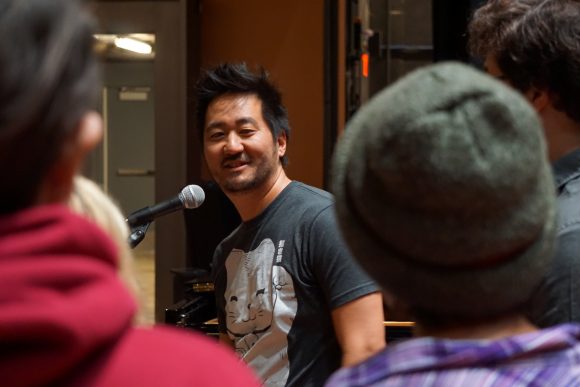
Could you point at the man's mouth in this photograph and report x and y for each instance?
(234, 164)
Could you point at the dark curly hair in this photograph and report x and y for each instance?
(536, 44)
(228, 78)
(493, 22)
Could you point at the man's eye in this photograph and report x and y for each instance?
(215, 135)
(246, 132)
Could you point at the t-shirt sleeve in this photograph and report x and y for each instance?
(339, 275)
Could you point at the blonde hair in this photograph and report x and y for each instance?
(89, 200)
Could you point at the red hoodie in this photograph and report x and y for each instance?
(65, 316)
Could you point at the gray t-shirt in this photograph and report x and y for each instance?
(557, 300)
(277, 278)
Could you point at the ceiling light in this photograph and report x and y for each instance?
(133, 45)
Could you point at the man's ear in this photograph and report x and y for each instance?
(281, 142)
(58, 183)
(90, 133)
(539, 99)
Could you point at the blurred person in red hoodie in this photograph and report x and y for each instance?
(65, 315)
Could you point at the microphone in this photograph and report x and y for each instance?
(191, 196)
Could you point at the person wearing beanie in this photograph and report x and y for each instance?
(444, 194)
(532, 45)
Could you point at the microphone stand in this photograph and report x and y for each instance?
(137, 234)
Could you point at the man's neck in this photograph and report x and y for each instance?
(562, 133)
(251, 203)
(496, 328)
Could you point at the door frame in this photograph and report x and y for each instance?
(167, 20)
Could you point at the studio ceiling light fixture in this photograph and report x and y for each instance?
(133, 45)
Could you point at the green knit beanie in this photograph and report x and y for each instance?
(444, 192)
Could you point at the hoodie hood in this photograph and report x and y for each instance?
(61, 300)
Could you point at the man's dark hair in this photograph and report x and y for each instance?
(493, 22)
(539, 48)
(236, 78)
(48, 79)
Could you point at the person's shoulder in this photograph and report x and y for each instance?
(311, 197)
(306, 204)
(171, 356)
(310, 190)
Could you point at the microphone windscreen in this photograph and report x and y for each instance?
(192, 196)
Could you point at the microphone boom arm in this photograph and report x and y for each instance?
(138, 234)
(191, 196)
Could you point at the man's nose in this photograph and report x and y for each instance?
(233, 144)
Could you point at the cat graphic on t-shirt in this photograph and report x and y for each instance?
(249, 298)
(253, 288)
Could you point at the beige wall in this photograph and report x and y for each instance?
(286, 37)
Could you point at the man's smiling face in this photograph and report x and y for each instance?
(239, 148)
